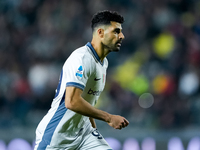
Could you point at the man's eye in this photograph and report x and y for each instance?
(116, 31)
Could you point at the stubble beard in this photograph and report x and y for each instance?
(113, 48)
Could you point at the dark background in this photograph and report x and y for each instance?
(153, 81)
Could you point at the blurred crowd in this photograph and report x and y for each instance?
(159, 56)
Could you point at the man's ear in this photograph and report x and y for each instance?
(100, 32)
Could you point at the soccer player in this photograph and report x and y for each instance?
(69, 124)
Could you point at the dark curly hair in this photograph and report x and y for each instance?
(105, 17)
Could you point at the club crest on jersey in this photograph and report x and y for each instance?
(79, 73)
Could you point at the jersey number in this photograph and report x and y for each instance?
(97, 134)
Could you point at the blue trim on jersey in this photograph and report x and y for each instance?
(94, 52)
(74, 84)
(59, 84)
(51, 127)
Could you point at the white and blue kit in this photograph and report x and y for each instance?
(63, 129)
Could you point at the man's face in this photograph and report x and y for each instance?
(113, 36)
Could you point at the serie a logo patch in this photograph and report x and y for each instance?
(79, 73)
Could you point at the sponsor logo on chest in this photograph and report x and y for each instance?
(93, 92)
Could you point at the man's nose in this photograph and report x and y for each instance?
(121, 36)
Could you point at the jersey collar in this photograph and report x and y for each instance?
(94, 52)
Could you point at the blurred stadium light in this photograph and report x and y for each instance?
(131, 144)
(19, 144)
(175, 143)
(2, 145)
(114, 143)
(194, 144)
(148, 144)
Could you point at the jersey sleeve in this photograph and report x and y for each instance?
(76, 71)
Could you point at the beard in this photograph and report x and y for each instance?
(113, 47)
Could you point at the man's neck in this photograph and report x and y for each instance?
(100, 50)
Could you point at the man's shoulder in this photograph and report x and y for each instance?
(81, 51)
(80, 54)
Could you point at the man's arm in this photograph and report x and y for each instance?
(75, 102)
(93, 122)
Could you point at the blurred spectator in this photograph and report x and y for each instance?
(160, 55)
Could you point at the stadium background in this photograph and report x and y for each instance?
(153, 81)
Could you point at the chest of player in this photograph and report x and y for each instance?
(96, 81)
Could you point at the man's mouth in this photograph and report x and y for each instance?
(119, 43)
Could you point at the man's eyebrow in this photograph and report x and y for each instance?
(117, 29)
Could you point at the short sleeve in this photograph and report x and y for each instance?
(76, 70)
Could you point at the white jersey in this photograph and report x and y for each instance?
(84, 70)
